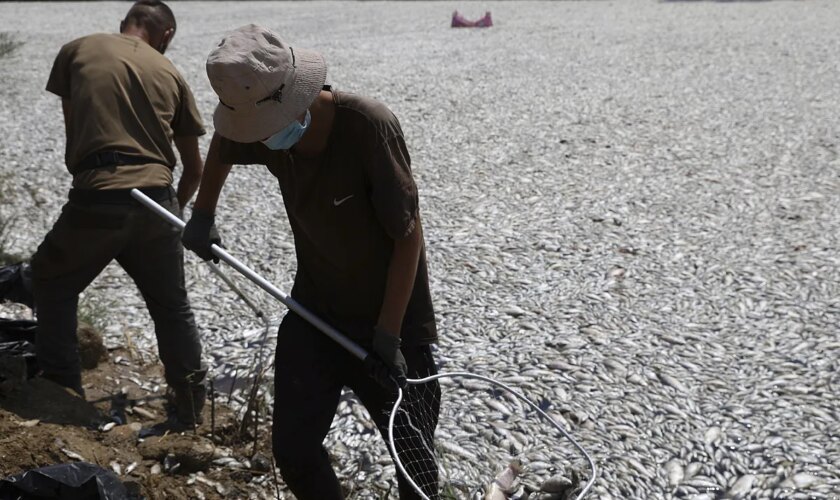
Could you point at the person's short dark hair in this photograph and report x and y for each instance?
(153, 15)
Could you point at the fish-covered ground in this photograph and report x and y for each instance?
(631, 213)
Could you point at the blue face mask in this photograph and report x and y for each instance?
(289, 136)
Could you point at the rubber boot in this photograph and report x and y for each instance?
(188, 400)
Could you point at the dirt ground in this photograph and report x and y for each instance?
(43, 424)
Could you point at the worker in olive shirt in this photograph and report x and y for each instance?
(344, 173)
(124, 103)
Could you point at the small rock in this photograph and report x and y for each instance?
(261, 463)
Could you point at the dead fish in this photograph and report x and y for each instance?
(712, 434)
(502, 485)
(675, 471)
(73, 455)
(498, 406)
(556, 484)
(144, 413)
(800, 480)
(742, 487)
(672, 382)
(639, 467)
(692, 469)
(675, 411)
(457, 450)
(213, 484)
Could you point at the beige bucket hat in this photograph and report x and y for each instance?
(262, 83)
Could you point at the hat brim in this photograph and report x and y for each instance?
(254, 123)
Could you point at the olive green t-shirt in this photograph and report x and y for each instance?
(346, 208)
(127, 97)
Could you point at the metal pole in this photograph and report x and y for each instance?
(229, 282)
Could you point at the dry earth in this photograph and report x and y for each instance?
(43, 424)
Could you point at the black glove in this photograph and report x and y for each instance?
(386, 363)
(200, 233)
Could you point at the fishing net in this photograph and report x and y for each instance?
(488, 438)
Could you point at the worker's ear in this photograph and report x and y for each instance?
(165, 39)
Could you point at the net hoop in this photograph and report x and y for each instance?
(507, 388)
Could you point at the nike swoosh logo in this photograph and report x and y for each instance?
(337, 202)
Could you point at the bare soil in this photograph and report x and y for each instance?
(42, 424)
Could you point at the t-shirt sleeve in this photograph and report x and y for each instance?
(187, 120)
(392, 189)
(59, 81)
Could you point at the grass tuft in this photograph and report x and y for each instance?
(8, 44)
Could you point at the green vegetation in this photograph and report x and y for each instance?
(92, 313)
(450, 492)
(8, 44)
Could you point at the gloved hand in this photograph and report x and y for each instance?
(200, 233)
(386, 363)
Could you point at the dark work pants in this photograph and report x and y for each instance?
(85, 238)
(310, 371)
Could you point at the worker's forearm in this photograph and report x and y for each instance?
(402, 271)
(213, 179)
(187, 186)
(193, 167)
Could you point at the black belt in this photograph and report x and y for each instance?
(103, 159)
(119, 196)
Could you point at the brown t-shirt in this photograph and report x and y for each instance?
(127, 97)
(346, 208)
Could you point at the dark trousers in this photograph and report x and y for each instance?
(85, 238)
(310, 372)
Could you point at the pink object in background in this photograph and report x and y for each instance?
(459, 21)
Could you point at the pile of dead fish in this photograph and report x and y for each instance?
(631, 213)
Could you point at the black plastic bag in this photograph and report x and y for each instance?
(17, 349)
(17, 360)
(73, 481)
(16, 284)
(13, 330)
